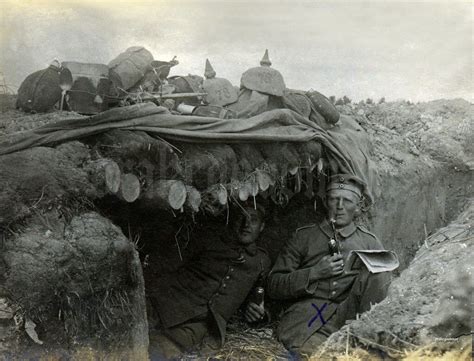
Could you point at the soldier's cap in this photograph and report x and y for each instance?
(258, 205)
(347, 182)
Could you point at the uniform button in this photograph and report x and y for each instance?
(334, 283)
(227, 277)
(231, 269)
(224, 285)
(216, 294)
(333, 293)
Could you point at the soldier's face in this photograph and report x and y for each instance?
(342, 205)
(250, 226)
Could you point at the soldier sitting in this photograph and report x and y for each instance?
(323, 294)
(195, 302)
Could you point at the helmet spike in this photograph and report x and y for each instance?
(265, 60)
(209, 72)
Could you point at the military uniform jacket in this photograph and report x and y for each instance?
(217, 280)
(291, 277)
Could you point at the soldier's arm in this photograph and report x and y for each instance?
(287, 280)
(371, 239)
(253, 308)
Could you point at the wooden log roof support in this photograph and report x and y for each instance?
(192, 177)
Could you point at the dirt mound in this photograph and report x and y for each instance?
(86, 270)
(7, 102)
(12, 121)
(41, 178)
(423, 153)
(429, 303)
(441, 129)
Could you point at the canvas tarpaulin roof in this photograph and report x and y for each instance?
(279, 125)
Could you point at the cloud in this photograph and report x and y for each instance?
(394, 49)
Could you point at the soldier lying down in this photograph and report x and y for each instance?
(195, 302)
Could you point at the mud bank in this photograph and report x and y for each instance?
(68, 286)
(423, 154)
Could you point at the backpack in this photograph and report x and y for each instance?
(320, 105)
(40, 90)
(129, 67)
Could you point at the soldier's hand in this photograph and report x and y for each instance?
(254, 312)
(329, 266)
(337, 264)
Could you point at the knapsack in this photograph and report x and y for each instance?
(40, 90)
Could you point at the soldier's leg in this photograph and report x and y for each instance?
(312, 344)
(368, 288)
(170, 343)
(189, 334)
(162, 348)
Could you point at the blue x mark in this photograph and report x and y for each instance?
(319, 315)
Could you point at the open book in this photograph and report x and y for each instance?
(376, 261)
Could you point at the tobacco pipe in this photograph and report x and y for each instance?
(333, 243)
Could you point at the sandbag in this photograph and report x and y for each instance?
(40, 90)
(323, 106)
(90, 88)
(130, 67)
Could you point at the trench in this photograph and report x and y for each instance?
(408, 209)
(414, 200)
(410, 206)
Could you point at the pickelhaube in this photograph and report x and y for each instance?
(263, 78)
(220, 91)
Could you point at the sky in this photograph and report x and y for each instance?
(416, 50)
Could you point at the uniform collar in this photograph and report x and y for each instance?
(251, 248)
(345, 232)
